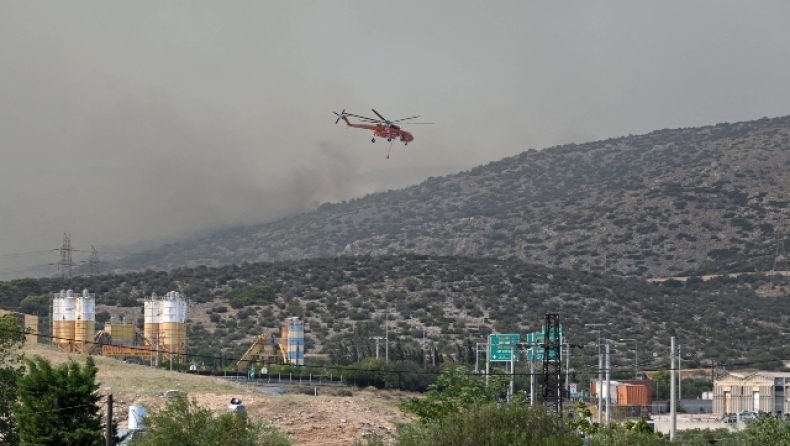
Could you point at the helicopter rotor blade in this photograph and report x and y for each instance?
(362, 117)
(377, 114)
(403, 119)
(417, 123)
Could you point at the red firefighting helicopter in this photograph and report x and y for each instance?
(382, 128)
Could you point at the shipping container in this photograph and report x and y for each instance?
(642, 382)
(632, 395)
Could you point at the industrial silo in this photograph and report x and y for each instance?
(151, 319)
(182, 316)
(85, 321)
(172, 325)
(67, 319)
(293, 341)
(57, 318)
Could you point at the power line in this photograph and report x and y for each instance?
(27, 254)
(59, 409)
(28, 268)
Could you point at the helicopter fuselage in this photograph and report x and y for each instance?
(387, 131)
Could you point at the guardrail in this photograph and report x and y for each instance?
(290, 379)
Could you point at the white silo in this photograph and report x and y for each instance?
(69, 315)
(85, 321)
(151, 319)
(172, 325)
(58, 334)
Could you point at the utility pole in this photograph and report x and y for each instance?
(680, 376)
(108, 439)
(488, 360)
(477, 357)
(151, 341)
(672, 393)
(386, 333)
(636, 358)
(608, 389)
(386, 337)
(532, 380)
(512, 388)
(600, 387)
(424, 359)
(600, 365)
(568, 371)
(158, 356)
(377, 338)
(66, 262)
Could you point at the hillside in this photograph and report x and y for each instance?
(734, 320)
(309, 420)
(661, 204)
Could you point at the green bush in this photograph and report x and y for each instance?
(253, 295)
(510, 424)
(182, 422)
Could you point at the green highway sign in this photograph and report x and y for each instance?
(536, 338)
(535, 354)
(502, 353)
(503, 339)
(499, 347)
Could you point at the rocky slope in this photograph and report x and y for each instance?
(695, 199)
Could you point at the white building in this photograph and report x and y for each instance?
(752, 391)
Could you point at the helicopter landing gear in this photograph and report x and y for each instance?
(373, 140)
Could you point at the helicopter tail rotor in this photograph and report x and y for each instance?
(340, 115)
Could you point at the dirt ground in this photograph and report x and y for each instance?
(310, 420)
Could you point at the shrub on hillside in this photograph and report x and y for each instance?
(252, 295)
(490, 424)
(182, 422)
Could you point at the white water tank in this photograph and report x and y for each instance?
(136, 417)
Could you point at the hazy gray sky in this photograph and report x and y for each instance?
(125, 122)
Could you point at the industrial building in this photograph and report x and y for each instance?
(27, 321)
(752, 391)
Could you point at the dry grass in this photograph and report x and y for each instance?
(138, 379)
(323, 420)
